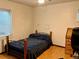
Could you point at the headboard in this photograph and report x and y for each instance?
(50, 34)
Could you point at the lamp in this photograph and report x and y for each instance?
(41, 1)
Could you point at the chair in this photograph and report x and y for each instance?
(75, 40)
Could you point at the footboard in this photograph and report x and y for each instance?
(25, 47)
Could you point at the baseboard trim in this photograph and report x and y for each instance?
(2, 52)
(59, 46)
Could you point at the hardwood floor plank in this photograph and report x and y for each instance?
(53, 52)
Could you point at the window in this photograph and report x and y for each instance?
(5, 22)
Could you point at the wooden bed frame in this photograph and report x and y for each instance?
(50, 34)
(25, 43)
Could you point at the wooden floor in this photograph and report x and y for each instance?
(53, 52)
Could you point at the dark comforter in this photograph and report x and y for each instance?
(36, 47)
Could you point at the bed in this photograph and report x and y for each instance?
(37, 43)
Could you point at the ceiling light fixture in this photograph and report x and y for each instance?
(41, 1)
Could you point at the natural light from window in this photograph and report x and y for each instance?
(5, 22)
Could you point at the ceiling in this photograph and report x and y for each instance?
(34, 2)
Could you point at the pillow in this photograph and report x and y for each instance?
(33, 35)
(42, 36)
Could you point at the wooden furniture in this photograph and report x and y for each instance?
(25, 48)
(68, 48)
(25, 44)
(7, 41)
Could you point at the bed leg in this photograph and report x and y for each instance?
(7, 41)
(25, 48)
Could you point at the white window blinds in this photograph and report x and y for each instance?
(5, 22)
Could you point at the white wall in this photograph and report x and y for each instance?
(56, 18)
(21, 18)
